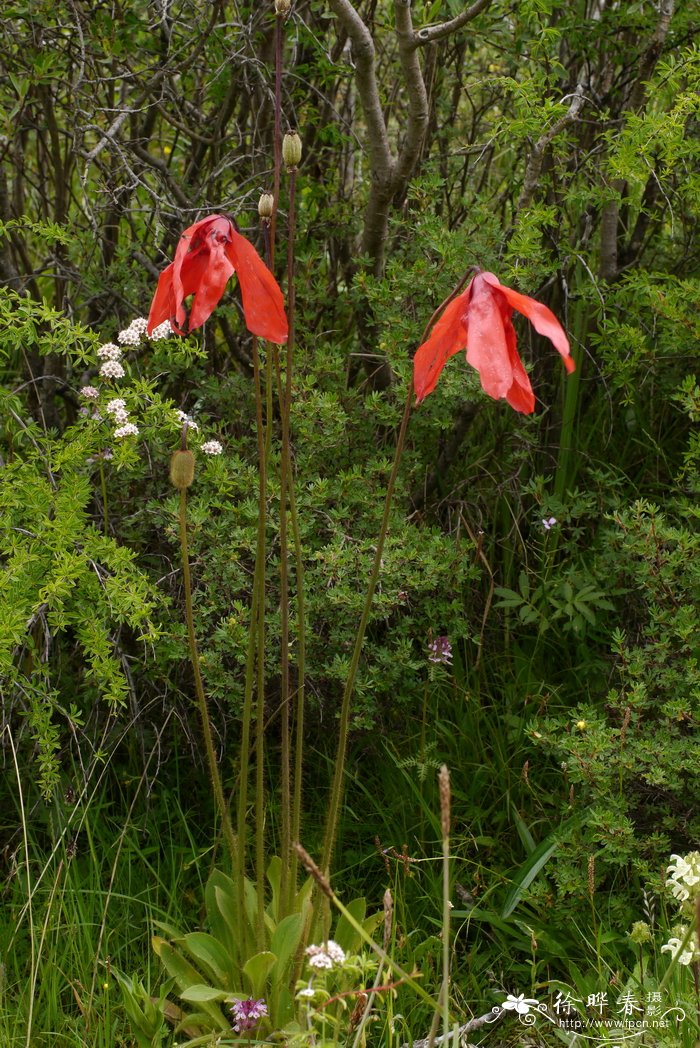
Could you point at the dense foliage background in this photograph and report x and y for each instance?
(554, 144)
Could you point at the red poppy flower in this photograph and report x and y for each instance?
(208, 254)
(479, 320)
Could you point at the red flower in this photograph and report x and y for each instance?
(479, 320)
(208, 254)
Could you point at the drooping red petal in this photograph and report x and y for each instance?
(541, 318)
(211, 282)
(163, 304)
(487, 346)
(178, 280)
(193, 246)
(263, 304)
(520, 395)
(449, 336)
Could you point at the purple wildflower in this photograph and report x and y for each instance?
(247, 1014)
(548, 522)
(440, 650)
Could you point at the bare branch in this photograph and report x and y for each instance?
(534, 166)
(366, 78)
(437, 32)
(417, 95)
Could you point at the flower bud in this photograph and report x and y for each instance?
(266, 205)
(291, 149)
(182, 469)
(282, 6)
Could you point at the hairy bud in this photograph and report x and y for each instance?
(182, 469)
(282, 6)
(291, 149)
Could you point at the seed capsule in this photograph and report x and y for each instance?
(291, 149)
(182, 469)
(266, 205)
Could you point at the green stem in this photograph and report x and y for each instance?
(344, 724)
(445, 937)
(199, 688)
(285, 757)
(263, 454)
(290, 819)
(256, 611)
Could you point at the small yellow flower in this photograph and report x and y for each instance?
(105, 986)
(582, 725)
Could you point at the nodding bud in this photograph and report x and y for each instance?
(282, 6)
(291, 149)
(182, 469)
(266, 205)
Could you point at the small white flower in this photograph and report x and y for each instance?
(308, 991)
(212, 447)
(548, 522)
(163, 330)
(112, 369)
(90, 392)
(139, 325)
(116, 405)
(128, 430)
(320, 960)
(109, 352)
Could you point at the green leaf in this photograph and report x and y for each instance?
(284, 944)
(185, 976)
(527, 873)
(199, 992)
(209, 953)
(345, 935)
(256, 970)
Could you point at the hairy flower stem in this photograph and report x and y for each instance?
(256, 613)
(263, 456)
(344, 723)
(279, 41)
(199, 689)
(299, 565)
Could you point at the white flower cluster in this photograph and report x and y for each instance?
(112, 369)
(132, 335)
(684, 877)
(89, 392)
(684, 882)
(117, 409)
(127, 430)
(164, 330)
(212, 447)
(681, 947)
(183, 418)
(326, 956)
(109, 352)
